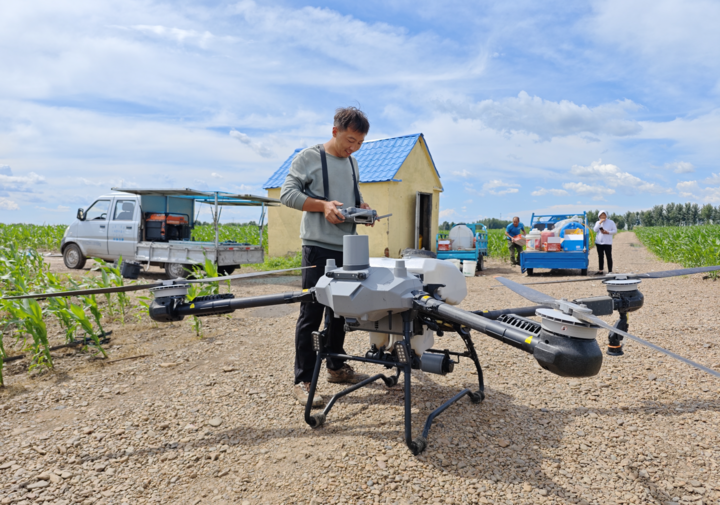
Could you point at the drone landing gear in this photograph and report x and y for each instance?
(404, 366)
(615, 347)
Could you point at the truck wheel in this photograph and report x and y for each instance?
(480, 264)
(529, 271)
(227, 269)
(73, 257)
(176, 270)
(418, 253)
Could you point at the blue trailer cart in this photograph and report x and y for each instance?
(530, 260)
(477, 254)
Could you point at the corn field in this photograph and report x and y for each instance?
(690, 246)
(41, 238)
(242, 233)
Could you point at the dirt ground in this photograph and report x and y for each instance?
(173, 418)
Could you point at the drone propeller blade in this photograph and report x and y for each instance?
(584, 279)
(243, 276)
(589, 318)
(528, 293)
(649, 275)
(674, 273)
(96, 291)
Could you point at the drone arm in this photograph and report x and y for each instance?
(505, 333)
(169, 309)
(213, 306)
(519, 311)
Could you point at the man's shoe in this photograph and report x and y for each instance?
(300, 392)
(345, 375)
(599, 272)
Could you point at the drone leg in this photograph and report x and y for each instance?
(415, 446)
(319, 419)
(465, 335)
(614, 340)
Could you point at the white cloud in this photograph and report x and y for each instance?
(497, 184)
(215, 175)
(447, 213)
(713, 179)
(9, 182)
(88, 182)
(693, 191)
(586, 189)
(606, 174)
(7, 204)
(554, 192)
(548, 119)
(680, 167)
(255, 146)
(58, 208)
(176, 34)
(464, 174)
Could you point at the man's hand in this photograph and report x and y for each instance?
(366, 206)
(332, 214)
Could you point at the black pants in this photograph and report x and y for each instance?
(607, 250)
(513, 248)
(311, 315)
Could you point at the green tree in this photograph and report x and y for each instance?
(706, 213)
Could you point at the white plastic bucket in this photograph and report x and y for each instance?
(456, 263)
(469, 268)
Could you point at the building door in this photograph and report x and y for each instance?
(423, 220)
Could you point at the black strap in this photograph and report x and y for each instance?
(326, 189)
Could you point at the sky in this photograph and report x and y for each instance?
(526, 106)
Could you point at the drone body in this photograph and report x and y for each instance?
(403, 304)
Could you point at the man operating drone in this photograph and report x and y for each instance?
(321, 179)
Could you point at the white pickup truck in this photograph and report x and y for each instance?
(153, 226)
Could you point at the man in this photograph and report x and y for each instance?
(605, 228)
(322, 231)
(513, 230)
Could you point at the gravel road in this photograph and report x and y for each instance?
(212, 420)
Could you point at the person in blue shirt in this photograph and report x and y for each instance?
(512, 230)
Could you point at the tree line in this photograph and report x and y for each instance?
(672, 214)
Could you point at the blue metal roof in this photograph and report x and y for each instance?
(378, 160)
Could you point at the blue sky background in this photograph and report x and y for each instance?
(526, 106)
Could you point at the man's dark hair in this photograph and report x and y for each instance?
(351, 117)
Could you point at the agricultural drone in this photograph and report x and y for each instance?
(403, 303)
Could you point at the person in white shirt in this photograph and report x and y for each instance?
(605, 228)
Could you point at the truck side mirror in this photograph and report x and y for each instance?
(81, 214)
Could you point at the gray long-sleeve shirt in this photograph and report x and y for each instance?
(305, 177)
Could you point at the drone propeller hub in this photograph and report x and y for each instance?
(559, 323)
(170, 289)
(621, 285)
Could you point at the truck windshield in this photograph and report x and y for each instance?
(124, 210)
(98, 211)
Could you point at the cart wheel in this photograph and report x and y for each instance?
(480, 264)
(583, 271)
(529, 271)
(176, 271)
